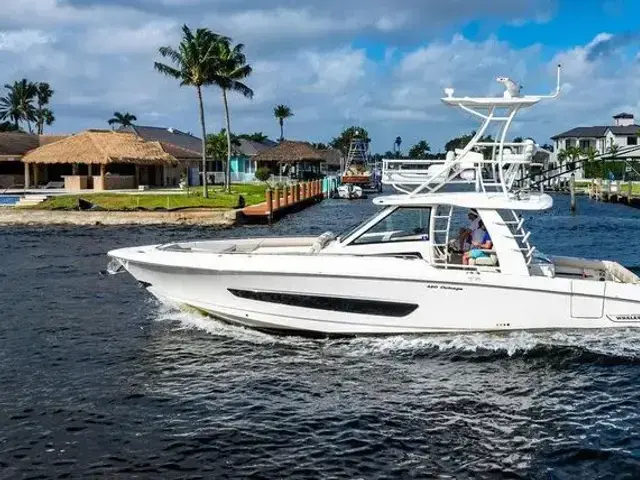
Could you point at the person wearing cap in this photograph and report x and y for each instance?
(466, 235)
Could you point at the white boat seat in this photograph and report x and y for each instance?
(491, 260)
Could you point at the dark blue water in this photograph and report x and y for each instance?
(96, 379)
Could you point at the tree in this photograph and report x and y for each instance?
(17, 105)
(254, 137)
(343, 141)
(389, 154)
(263, 174)
(123, 119)
(548, 147)
(396, 145)
(463, 140)
(518, 140)
(592, 168)
(229, 70)
(281, 112)
(194, 62)
(569, 156)
(8, 127)
(216, 145)
(43, 115)
(319, 146)
(419, 150)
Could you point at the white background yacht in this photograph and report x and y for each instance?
(401, 270)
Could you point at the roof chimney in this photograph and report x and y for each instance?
(623, 119)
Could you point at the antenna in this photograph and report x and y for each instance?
(557, 92)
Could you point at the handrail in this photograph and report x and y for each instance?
(15, 185)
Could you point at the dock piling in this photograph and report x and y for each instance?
(572, 191)
(269, 198)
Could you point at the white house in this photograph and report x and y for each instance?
(624, 133)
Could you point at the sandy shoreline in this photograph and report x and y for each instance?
(218, 218)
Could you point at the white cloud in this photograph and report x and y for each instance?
(19, 41)
(121, 40)
(99, 58)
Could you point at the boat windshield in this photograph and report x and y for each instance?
(347, 232)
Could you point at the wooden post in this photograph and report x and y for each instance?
(276, 198)
(297, 188)
(572, 191)
(285, 196)
(629, 191)
(269, 198)
(27, 175)
(35, 175)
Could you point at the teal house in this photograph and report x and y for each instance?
(243, 165)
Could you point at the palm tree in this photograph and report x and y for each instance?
(281, 112)
(396, 146)
(194, 61)
(17, 105)
(123, 119)
(229, 70)
(420, 150)
(43, 115)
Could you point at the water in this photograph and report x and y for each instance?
(97, 379)
(8, 200)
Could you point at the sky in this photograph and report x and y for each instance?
(381, 64)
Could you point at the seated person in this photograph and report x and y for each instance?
(465, 235)
(480, 243)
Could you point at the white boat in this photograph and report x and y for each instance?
(398, 272)
(350, 191)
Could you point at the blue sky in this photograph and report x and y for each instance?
(378, 63)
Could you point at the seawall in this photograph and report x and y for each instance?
(207, 217)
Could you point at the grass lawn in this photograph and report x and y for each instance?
(252, 193)
(624, 186)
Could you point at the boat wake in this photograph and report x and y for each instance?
(598, 346)
(615, 346)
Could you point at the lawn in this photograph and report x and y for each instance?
(624, 186)
(253, 194)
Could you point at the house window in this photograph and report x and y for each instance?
(402, 225)
(632, 140)
(567, 143)
(584, 144)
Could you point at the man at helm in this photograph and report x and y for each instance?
(466, 236)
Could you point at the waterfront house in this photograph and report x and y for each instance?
(334, 159)
(102, 160)
(13, 146)
(184, 147)
(243, 163)
(293, 159)
(623, 133)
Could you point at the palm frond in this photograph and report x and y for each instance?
(242, 72)
(167, 70)
(241, 88)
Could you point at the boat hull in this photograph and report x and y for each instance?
(380, 303)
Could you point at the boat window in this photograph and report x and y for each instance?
(349, 231)
(402, 225)
(335, 304)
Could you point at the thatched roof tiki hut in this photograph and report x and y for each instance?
(298, 159)
(104, 160)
